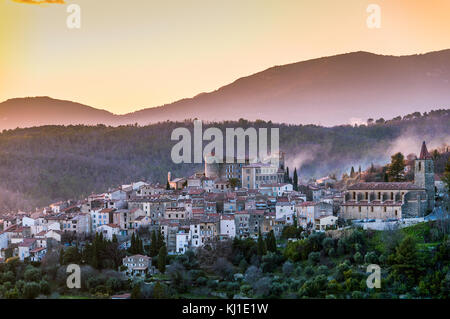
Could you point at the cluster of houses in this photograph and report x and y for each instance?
(205, 207)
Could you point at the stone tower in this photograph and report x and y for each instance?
(424, 174)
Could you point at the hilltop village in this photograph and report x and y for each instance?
(225, 201)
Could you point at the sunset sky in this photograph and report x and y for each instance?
(142, 53)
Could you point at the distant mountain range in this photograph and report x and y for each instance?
(327, 91)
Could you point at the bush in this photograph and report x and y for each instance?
(322, 270)
(309, 271)
(223, 268)
(371, 258)
(314, 258)
(357, 295)
(201, 281)
(288, 268)
(32, 274)
(314, 287)
(44, 288)
(328, 243)
(31, 290)
(252, 274)
(358, 258)
(262, 287)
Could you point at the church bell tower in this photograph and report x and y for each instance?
(424, 174)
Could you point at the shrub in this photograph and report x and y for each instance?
(371, 258)
(31, 290)
(252, 274)
(288, 268)
(314, 258)
(358, 257)
(32, 274)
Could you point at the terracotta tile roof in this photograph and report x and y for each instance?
(384, 186)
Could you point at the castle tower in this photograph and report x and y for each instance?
(424, 174)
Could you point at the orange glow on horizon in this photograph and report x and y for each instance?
(132, 55)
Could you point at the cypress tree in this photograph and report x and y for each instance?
(271, 242)
(162, 256)
(61, 256)
(94, 262)
(261, 247)
(153, 245)
(295, 180)
(160, 240)
(141, 246)
(133, 244)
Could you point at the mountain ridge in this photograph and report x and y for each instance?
(327, 90)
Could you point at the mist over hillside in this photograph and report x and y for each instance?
(44, 164)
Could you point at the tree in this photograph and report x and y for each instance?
(234, 182)
(31, 290)
(406, 259)
(158, 291)
(223, 268)
(160, 241)
(446, 177)
(132, 248)
(61, 256)
(136, 292)
(286, 175)
(261, 246)
(271, 242)
(162, 257)
(167, 186)
(72, 256)
(154, 245)
(44, 287)
(32, 274)
(352, 172)
(295, 180)
(396, 168)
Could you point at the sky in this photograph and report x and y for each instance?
(128, 55)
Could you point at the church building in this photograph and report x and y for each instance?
(387, 200)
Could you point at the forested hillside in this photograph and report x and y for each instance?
(43, 164)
